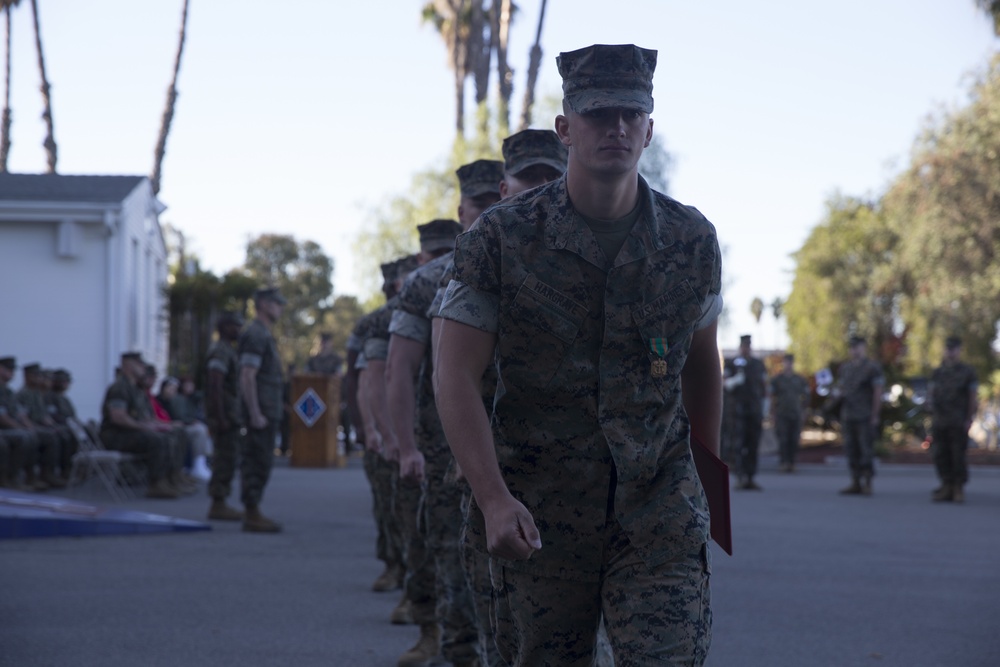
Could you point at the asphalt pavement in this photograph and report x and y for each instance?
(816, 580)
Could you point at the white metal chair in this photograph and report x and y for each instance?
(115, 470)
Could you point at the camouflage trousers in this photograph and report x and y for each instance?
(746, 442)
(653, 615)
(258, 458)
(477, 574)
(859, 444)
(152, 448)
(419, 583)
(389, 544)
(788, 433)
(950, 444)
(444, 518)
(18, 451)
(228, 449)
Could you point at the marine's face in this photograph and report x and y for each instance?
(470, 208)
(5, 374)
(526, 179)
(605, 141)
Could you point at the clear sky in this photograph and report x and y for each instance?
(302, 116)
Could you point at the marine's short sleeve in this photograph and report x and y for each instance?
(476, 309)
(376, 349)
(362, 362)
(117, 397)
(253, 347)
(711, 308)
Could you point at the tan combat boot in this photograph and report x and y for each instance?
(162, 489)
(426, 648)
(853, 489)
(255, 522)
(403, 613)
(866, 485)
(958, 494)
(943, 494)
(390, 579)
(220, 511)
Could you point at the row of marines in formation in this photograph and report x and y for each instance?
(420, 500)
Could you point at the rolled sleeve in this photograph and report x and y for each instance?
(410, 326)
(251, 360)
(362, 362)
(711, 308)
(376, 349)
(471, 307)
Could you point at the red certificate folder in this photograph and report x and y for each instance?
(714, 474)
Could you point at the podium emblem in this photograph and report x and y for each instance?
(309, 407)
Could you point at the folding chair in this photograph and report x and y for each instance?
(111, 468)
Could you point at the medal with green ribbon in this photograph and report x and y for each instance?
(658, 346)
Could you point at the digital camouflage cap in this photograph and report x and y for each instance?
(603, 76)
(480, 177)
(438, 234)
(528, 148)
(270, 294)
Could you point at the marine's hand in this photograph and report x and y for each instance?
(411, 465)
(257, 422)
(510, 530)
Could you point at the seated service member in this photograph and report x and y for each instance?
(600, 297)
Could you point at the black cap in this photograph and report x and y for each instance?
(745, 338)
(953, 342)
(32, 368)
(480, 177)
(270, 294)
(855, 340)
(8, 362)
(61, 374)
(132, 355)
(229, 317)
(438, 234)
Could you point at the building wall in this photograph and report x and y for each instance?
(76, 295)
(53, 307)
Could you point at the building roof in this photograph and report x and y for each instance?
(69, 189)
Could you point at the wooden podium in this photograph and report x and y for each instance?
(315, 405)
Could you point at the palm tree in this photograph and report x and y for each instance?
(502, 15)
(5, 120)
(446, 15)
(168, 112)
(534, 64)
(51, 151)
(992, 8)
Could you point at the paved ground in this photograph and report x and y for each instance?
(817, 580)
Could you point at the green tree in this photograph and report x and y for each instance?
(843, 284)
(302, 271)
(945, 209)
(992, 9)
(340, 319)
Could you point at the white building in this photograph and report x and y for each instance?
(82, 269)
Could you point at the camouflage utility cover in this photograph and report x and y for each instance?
(480, 177)
(602, 76)
(530, 147)
(576, 399)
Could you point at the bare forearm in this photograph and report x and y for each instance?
(701, 389)
(248, 388)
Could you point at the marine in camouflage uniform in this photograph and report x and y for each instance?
(62, 411)
(382, 472)
(127, 425)
(436, 586)
(585, 490)
(746, 389)
(52, 440)
(789, 396)
(261, 386)
(530, 158)
(19, 442)
(225, 414)
(859, 387)
(953, 405)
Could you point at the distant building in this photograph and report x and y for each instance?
(82, 268)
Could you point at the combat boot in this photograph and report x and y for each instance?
(942, 494)
(425, 650)
(390, 579)
(220, 511)
(866, 485)
(403, 613)
(161, 489)
(853, 489)
(255, 522)
(958, 494)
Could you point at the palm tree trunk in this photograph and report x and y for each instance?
(51, 151)
(458, 65)
(505, 77)
(534, 63)
(5, 121)
(168, 112)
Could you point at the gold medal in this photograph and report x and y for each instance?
(659, 368)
